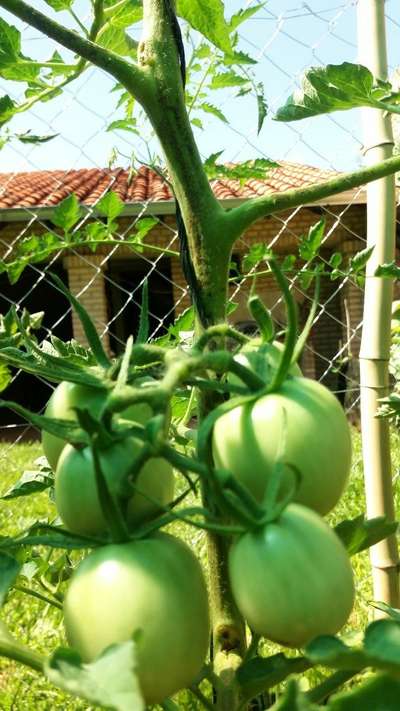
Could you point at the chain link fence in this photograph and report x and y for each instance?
(89, 160)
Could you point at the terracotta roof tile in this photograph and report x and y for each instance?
(41, 188)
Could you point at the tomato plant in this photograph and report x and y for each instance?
(310, 421)
(76, 494)
(292, 579)
(280, 571)
(68, 396)
(153, 587)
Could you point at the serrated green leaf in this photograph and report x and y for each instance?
(262, 107)
(379, 693)
(390, 270)
(10, 43)
(208, 19)
(336, 87)
(244, 14)
(358, 262)
(116, 40)
(128, 124)
(309, 244)
(214, 110)
(247, 170)
(110, 205)
(67, 213)
(41, 534)
(260, 674)
(238, 57)
(59, 5)
(110, 680)
(7, 108)
(359, 533)
(125, 14)
(143, 227)
(392, 612)
(9, 569)
(196, 122)
(29, 137)
(31, 482)
(5, 377)
(222, 80)
(335, 260)
(256, 254)
(380, 649)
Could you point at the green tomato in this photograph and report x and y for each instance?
(292, 580)
(152, 586)
(309, 419)
(76, 496)
(61, 405)
(263, 359)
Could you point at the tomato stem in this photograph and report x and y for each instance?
(262, 317)
(302, 339)
(291, 329)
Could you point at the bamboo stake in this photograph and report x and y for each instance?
(375, 341)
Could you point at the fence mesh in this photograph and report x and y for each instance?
(285, 38)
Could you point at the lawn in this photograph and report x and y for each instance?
(40, 625)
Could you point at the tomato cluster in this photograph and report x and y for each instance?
(289, 573)
(291, 578)
(153, 586)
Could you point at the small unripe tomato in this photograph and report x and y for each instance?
(292, 579)
(155, 587)
(68, 396)
(76, 495)
(310, 422)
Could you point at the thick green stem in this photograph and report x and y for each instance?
(203, 217)
(241, 218)
(20, 653)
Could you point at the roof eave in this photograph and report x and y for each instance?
(164, 207)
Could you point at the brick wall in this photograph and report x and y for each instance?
(88, 276)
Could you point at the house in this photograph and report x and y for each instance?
(109, 281)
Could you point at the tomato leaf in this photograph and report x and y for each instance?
(262, 107)
(309, 245)
(42, 534)
(110, 680)
(390, 270)
(9, 569)
(358, 262)
(208, 19)
(260, 674)
(66, 429)
(244, 14)
(379, 693)
(110, 205)
(392, 612)
(336, 87)
(67, 213)
(55, 369)
(380, 649)
(222, 80)
(214, 110)
(359, 533)
(31, 482)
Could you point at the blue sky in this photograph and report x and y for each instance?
(286, 36)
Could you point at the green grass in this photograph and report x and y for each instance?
(40, 625)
